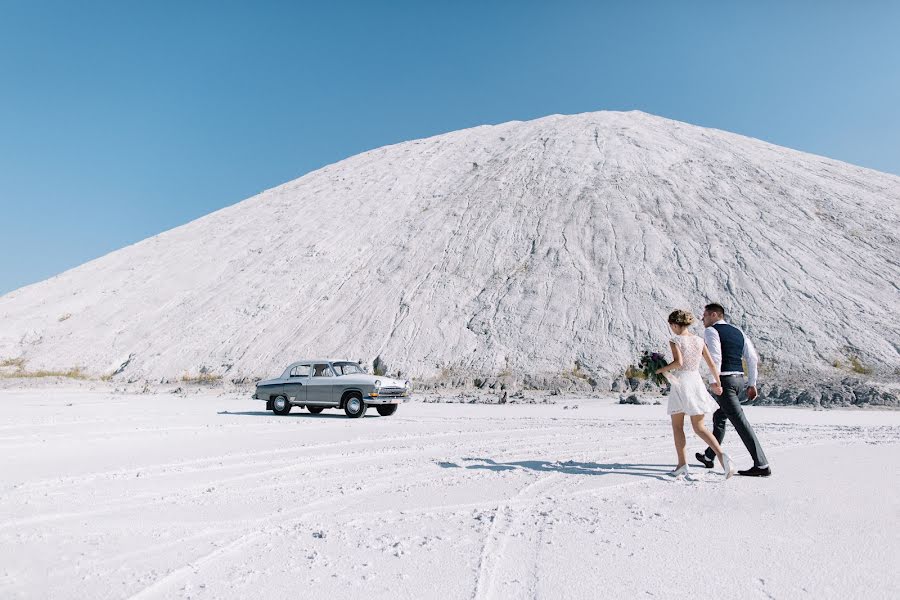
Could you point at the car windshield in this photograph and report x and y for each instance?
(347, 368)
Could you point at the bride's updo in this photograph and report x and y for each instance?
(681, 318)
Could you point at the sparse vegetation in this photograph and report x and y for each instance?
(767, 367)
(858, 367)
(17, 363)
(633, 372)
(73, 373)
(850, 361)
(202, 378)
(14, 368)
(575, 373)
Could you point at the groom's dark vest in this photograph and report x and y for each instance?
(732, 347)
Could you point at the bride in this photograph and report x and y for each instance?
(688, 395)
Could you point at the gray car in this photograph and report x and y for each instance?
(321, 384)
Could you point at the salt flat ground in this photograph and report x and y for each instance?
(159, 496)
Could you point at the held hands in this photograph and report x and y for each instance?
(716, 389)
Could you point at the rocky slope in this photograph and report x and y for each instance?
(529, 251)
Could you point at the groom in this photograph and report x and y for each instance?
(728, 347)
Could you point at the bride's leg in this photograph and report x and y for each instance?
(704, 434)
(680, 441)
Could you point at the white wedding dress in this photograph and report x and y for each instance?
(688, 394)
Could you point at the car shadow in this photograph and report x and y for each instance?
(295, 415)
(569, 467)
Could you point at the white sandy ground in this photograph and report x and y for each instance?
(158, 496)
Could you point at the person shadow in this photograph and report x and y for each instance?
(569, 467)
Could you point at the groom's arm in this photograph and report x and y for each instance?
(714, 345)
(752, 360)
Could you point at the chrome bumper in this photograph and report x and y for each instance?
(373, 400)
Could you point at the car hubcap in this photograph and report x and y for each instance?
(279, 403)
(353, 405)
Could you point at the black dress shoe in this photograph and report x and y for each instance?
(706, 462)
(756, 472)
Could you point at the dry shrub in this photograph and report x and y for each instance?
(73, 373)
(202, 378)
(857, 367)
(633, 372)
(18, 363)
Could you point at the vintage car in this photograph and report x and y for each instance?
(321, 384)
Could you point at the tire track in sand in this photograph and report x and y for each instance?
(498, 534)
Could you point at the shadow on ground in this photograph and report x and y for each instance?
(568, 467)
(300, 415)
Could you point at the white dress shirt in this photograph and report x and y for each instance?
(714, 344)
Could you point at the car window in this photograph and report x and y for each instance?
(321, 370)
(347, 368)
(300, 371)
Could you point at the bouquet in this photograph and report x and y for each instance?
(649, 363)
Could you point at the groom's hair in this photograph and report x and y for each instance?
(718, 308)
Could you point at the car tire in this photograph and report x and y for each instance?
(281, 405)
(386, 410)
(315, 409)
(354, 406)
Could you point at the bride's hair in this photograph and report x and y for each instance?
(681, 317)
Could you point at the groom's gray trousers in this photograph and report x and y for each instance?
(730, 410)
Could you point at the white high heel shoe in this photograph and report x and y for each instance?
(728, 466)
(680, 472)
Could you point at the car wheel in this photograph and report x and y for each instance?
(281, 405)
(354, 407)
(315, 409)
(386, 410)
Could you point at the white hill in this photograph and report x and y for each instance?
(511, 250)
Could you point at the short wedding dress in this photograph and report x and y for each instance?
(688, 394)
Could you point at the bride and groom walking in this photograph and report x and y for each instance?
(723, 348)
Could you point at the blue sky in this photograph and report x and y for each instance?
(119, 120)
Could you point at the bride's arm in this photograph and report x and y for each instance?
(676, 362)
(717, 386)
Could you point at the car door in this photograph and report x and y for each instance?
(321, 385)
(296, 385)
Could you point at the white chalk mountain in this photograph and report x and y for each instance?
(516, 249)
